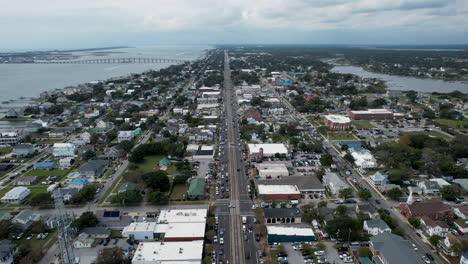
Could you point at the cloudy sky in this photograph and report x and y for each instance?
(92, 23)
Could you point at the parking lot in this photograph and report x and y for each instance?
(88, 255)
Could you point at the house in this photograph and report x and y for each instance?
(429, 187)
(65, 163)
(97, 232)
(79, 183)
(461, 225)
(334, 182)
(434, 209)
(16, 195)
(164, 163)
(64, 150)
(389, 248)
(25, 218)
(450, 242)
(127, 186)
(433, 227)
(462, 182)
(14, 113)
(376, 226)
(112, 219)
(46, 165)
(363, 158)
(196, 188)
(125, 136)
(26, 180)
(283, 216)
(69, 192)
(93, 168)
(83, 241)
(112, 153)
(23, 150)
(464, 258)
(378, 178)
(10, 138)
(461, 211)
(368, 209)
(7, 251)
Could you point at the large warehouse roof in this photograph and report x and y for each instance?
(278, 189)
(169, 252)
(268, 149)
(290, 230)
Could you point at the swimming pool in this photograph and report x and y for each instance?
(73, 175)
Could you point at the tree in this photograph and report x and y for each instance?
(86, 194)
(127, 197)
(346, 193)
(365, 194)
(157, 180)
(326, 159)
(281, 249)
(86, 219)
(415, 222)
(38, 227)
(434, 239)
(322, 204)
(344, 226)
(460, 247)
(349, 157)
(157, 197)
(395, 193)
(320, 246)
(341, 210)
(388, 220)
(209, 235)
(412, 95)
(89, 155)
(305, 247)
(110, 256)
(344, 147)
(40, 199)
(449, 193)
(364, 252)
(6, 227)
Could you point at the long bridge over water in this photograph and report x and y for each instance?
(105, 61)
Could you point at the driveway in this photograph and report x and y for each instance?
(331, 253)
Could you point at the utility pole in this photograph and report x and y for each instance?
(67, 254)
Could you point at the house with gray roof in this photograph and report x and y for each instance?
(390, 248)
(375, 227)
(7, 251)
(283, 215)
(334, 182)
(93, 168)
(97, 232)
(429, 187)
(25, 218)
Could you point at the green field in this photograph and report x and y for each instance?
(178, 191)
(362, 124)
(458, 124)
(151, 163)
(55, 172)
(428, 133)
(340, 136)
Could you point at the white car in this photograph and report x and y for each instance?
(221, 241)
(319, 253)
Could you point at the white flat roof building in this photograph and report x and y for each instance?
(273, 170)
(140, 230)
(183, 216)
(278, 189)
(290, 230)
(169, 253)
(372, 111)
(363, 158)
(338, 118)
(268, 149)
(182, 231)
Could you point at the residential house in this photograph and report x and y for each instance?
(97, 232)
(378, 178)
(16, 195)
(112, 153)
(389, 248)
(461, 225)
(69, 192)
(429, 187)
(376, 226)
(448, 244)
(64, 150)
(14, 113)
(26, 180)
(65, 163)
(79, 183)
(93, 169)
(461, 211)
(25, 218)
(125, 136)
(334, 182)
(83, 241)
(196, 188)
(434, 209)
(434, 227)
(368, 209)
(363, 158)
(7, 251)
(23, 150)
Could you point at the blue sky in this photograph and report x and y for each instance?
(29, 24)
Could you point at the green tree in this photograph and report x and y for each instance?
(349, 157)
(38, 227)
(6, 227)
(346, 193)
(86, 219)
(341, 210)
(365, 194)
(322, 204)
(434, 239)
(326, 159)
(415, 222)
(157, 197)
(395, 193)
(157, 180)
(112, 255)
(86, 194)
(40, 199)
(344, 226)
(127, 197)
(412, 95)
(449, 193)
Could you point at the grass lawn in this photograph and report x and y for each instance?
(362, 124)
(458, 124)
(150, 163)
(43, 243)
(315, 120)
(428, 133)
(178, 191)
(55, 172)
(274, 258)
(339, 135)
(4, 151)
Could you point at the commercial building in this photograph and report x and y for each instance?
(140, 231)
(363, 158)
(64, 150)
(372, 114)
(258, 151)
(337, 122)
(10, 138)
(334, 182)
(169, 253)
(278, 192)
(23, 149)
(305, 184)
(289, 234)
(283, 216)
(16, 195)
(389, 248)
(272, 170)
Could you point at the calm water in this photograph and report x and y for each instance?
(406, 83)
(30, 80)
